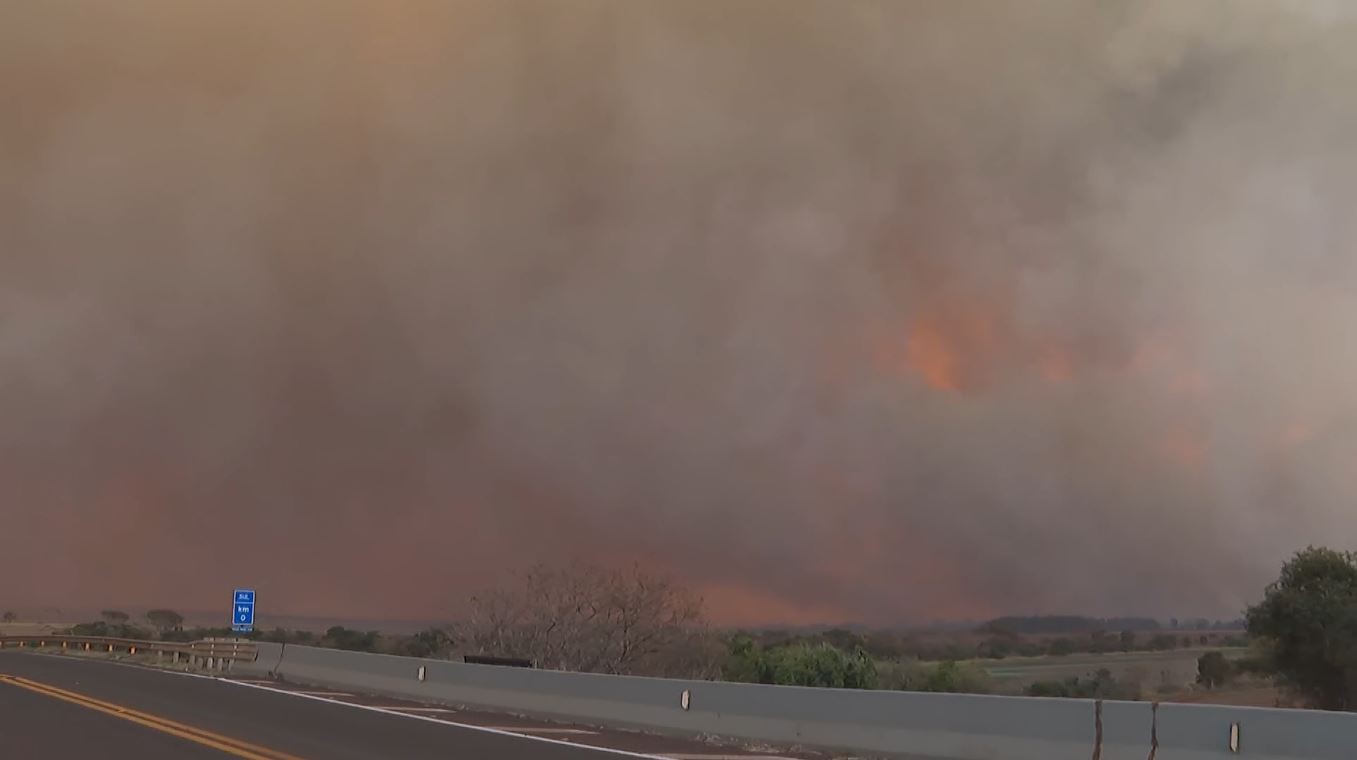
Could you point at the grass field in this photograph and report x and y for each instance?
(1175, 668)
(26, 629)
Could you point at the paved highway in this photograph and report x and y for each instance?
(58, 707)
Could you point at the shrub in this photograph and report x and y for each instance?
(1213, 670)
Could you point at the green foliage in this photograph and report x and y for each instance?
(799, 664)
(1214, 670)
(431, 642)
(117, 631)
(996, 649)
(1128, 640)
(114, 617)
(339, 637)
(1031, 649)
(1308, 621)
(1062, 647)
(948, 677)
(1163, 642)
(1101, 686)
(1099, 641)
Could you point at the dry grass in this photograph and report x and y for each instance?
(1172, 669)
(28, 629)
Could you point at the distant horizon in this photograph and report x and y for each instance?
(266, 620)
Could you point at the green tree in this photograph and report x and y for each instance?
(1213, 670)
(800, 664)
(957, 678)
(1128, 641)
(1163, 641)
(431, 642)
(1307, 621)
(165, 620)
(339, 637)
(1062, 647)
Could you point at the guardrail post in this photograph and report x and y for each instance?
(175, 658)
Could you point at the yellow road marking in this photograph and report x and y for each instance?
(226, 744)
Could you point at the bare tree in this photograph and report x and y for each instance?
(592, 619)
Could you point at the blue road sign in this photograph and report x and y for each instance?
(242, 610)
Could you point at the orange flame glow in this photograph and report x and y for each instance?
(952, 349)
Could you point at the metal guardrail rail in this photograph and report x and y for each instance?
(212, 654)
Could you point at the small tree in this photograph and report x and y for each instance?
(165, 620)
(1163, 641)
(9, 616)
(1128, 641)
(1213, 670)
(1062, 647)
(115, 617)
(1307, 622)
(431, 642)
(958, 678)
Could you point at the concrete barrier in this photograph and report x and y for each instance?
(932, 726)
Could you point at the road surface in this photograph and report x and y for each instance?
(58, 707)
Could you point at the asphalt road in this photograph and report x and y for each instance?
(60, 707)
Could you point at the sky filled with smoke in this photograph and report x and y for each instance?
(868, 311)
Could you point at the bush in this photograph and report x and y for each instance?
(957, 678)
(1031, 649)
(799, 664)
(432, 642)
(1101, 686)
(339, 637)
(1163, 642)
(112, 630)
(1214, 670)
(1062, 647)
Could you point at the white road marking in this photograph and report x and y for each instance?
(468, 726)
(728, 757)
(532, 730)
(413, 709)
(318, 693)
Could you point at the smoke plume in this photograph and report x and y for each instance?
(872, 311)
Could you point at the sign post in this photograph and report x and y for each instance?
(242, 611)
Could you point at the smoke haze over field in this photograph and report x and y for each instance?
(872, 311)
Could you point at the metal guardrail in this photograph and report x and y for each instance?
(212, 654)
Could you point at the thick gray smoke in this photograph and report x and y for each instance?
(878, 311)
